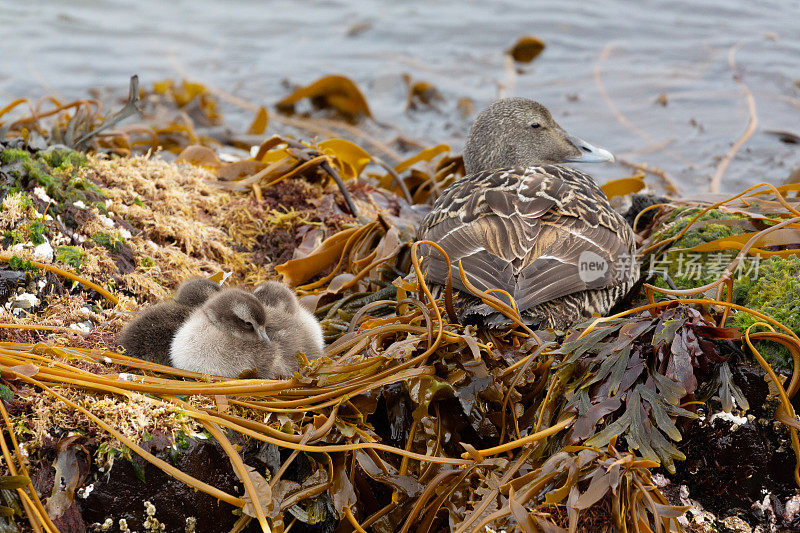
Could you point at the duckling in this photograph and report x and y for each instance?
(225, 336)
(196, 291)
(277, 295)
(148, 335)
(521, 221)
(301, 331)
(228, 335)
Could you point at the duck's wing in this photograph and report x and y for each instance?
(527, 231)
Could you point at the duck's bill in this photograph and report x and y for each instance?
(263, 334)
(589, 152)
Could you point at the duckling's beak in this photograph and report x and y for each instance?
(262, 333)
(589, 152)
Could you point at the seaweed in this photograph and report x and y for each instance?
(773, 293)
(636, 376)
(409, 421)
(72, 256)
(16, 263)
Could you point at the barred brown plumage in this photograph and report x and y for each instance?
(543, 232)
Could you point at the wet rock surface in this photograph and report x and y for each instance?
(120, 494)
(741, 466)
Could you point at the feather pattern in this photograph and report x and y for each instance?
(546, 234)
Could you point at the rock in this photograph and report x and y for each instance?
(43, 252)
(732, 462)
(24, 301)
(121, 494)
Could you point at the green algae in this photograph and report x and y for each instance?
(766, 286)
(101, 207)
(112, 243)
(182, 439)
(6, 394)
(694, 269)
(56, 171)
(16, 263)
(71, 255)
(14, 236)
(36, 230)
(32, 232)
(682, 216)
(772, 292)
(63, 159)
(9, 156)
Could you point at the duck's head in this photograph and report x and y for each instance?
(275, 295)
(196, 291)
(238, 313)
(517, 132)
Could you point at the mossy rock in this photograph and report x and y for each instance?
(763, 285)
(55, 170)
(694, 269)
(772, 292)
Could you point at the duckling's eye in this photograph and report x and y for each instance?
(536, 125)
(249, 324)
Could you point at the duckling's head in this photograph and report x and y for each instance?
(238, 313)
(517, 132)
(278, 296)
(196, 291)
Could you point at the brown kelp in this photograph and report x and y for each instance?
(410, 421)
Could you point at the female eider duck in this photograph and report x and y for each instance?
(523, 222)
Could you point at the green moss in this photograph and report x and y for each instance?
(56, 172)
(13, 155)
(71, 255)
(694, 269)
(772, 292)
(36, 231)
(182, 440)
(146, 262)
(63, 159)
(112, 243)
(14, 236)
(16, 263)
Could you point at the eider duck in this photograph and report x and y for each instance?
(149, 335)
(233, 333)
(302, 331)
(226, 336)
(523, 222)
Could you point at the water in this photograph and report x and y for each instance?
(250, 48)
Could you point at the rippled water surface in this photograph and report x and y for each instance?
(606, 64)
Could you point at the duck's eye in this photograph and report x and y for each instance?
(249, 324)
(536, 125)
